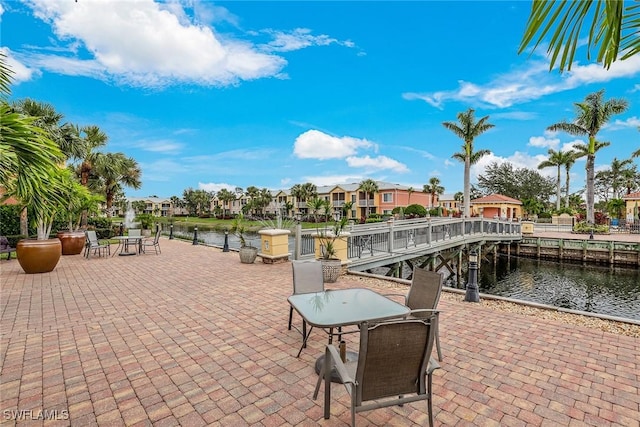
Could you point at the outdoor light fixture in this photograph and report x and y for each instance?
(195, 235)
(472, 294)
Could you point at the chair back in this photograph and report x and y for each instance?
(307, 276)
(92, 237)
(393, 359)
(425, 290)
(135, 232)
(4, 242)
(157, 236)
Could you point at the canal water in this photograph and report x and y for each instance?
(612, 291)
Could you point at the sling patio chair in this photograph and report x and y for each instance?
(95, 245)
(393, 367)
(423, 298)
(155, 243)
(307, 278)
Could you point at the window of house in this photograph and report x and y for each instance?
(387, 197)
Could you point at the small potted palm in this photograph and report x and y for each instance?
(78, 200)
(248, 253)
(331, 264)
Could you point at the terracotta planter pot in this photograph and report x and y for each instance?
(72, 242)
(38, 256)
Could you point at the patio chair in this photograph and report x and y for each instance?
(5, 248)
(394, 367)
(96, 245)
(307, 278)
(423, 296)
(155, 243)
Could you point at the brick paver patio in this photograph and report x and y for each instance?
(193, 337)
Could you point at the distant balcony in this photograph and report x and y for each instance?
(363, 203)
(338, 203)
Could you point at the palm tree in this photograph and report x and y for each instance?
(113, 170)
(410, 191)
(636, 153)
(29, 156)
(555, 160)
(569, 160)
(565, 19)
(617, 175)
(591, 114)
(227, 197)
(468, 129)
(369, 187)
(433, 188)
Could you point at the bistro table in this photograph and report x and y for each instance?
(343, 307)
(125, 241)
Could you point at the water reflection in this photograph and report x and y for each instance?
(606, 290)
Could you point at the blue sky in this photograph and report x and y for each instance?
(232, 94)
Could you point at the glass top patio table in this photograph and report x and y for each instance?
(123, 244)
(342, 307)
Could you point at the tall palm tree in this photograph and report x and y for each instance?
(568, 163)
(433, 188)
(114, 170)
(369, 187)
(29, 155)
(614, 29)
(468, 130)
(591, 115)
(555, 160)
(410, 191)
(636, 153)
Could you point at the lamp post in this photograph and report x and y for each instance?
(225, 247)
(472, 294)
(171, 232)
(195, 235)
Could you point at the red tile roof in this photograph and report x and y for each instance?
(496, 198)
(632, 196)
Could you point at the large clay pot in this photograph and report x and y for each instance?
(72, 242)
(38, 256)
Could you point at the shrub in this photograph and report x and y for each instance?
(416, 210)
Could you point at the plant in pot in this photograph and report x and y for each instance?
(247, 252)
(29, 172)
(331, 264)
(146, 223)
(78, 200)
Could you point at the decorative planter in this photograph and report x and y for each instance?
(248, 254)
(331, 270)
(72, 242)
(38, 256)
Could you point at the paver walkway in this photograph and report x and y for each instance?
(193, 337)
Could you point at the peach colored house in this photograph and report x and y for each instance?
(632, 207)
(496, 205)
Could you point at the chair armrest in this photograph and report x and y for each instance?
(433, 365)
(331, 353)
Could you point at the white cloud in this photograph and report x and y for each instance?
(380, 162)
(299, 38)
(543, 142)
(160, 146)
(148, 45)
(333, 179)
(314, 144)
(21, 73)
(631, 122)
(517, 159)
(211, 186)
(530, 82)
